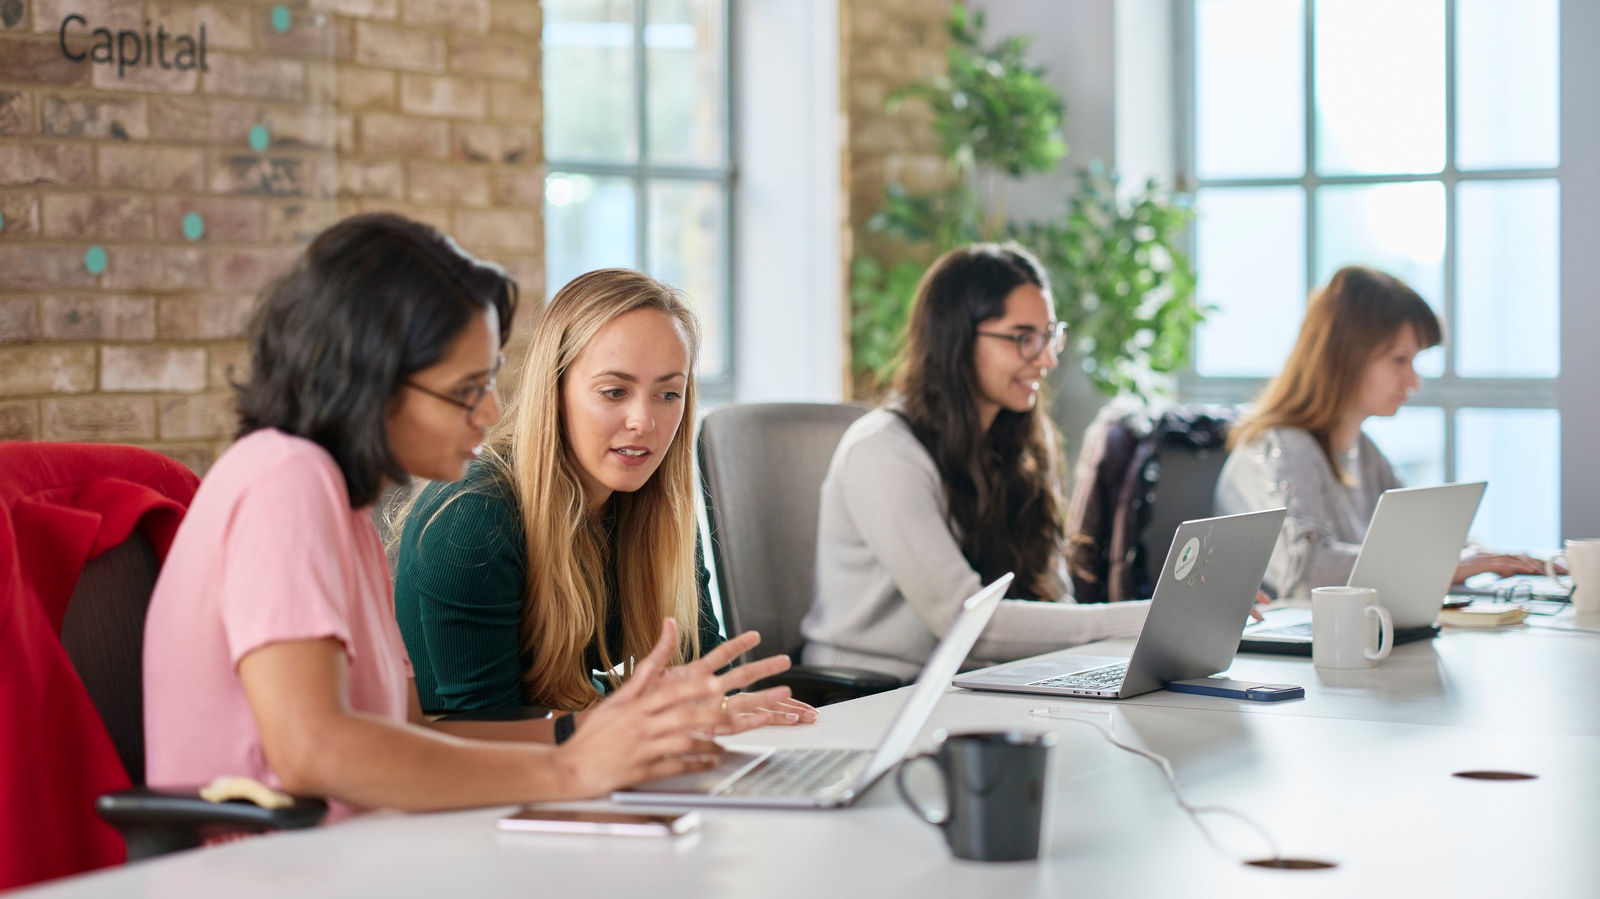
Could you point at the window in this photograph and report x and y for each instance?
(1420, 138)
(637, 142)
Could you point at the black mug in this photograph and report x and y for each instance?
(994, 788)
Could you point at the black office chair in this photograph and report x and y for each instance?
(103, 634)
(762, 466)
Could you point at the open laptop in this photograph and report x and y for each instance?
(1206, 587)
(1409, 556)
(828, 778)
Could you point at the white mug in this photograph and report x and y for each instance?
(1582, 559)
(1342, 630)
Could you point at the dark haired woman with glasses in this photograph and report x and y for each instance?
(271, 647)
(954, 482)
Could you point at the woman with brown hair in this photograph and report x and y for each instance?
(954, 482)
(1302, 446)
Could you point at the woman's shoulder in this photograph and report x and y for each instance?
(271, 463)
(881, 435)
(475, 510)
(1283, 439)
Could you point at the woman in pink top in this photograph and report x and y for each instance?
(271, 648)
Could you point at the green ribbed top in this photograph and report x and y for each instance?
(458, 597)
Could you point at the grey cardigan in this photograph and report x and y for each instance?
(1327, 518)
(891, 577)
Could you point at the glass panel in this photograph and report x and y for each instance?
(1250, 253)
(683, 47)
(686, 247)
(1413, 441)
(588, 224)
(1508, 61)
(589, 111)
(1518, 451)
(1397, 228)
(1249, 90)
(1507, 260)
(1379, 86)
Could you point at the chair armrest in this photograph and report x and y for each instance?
(155, 822)
(821, 685)
(514, 713)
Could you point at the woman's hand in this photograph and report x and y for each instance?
(1261, 600)
(747, 711)
(1502, 564)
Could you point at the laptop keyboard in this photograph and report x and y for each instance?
(1106, 678)
(796, 772)
(1288, 630)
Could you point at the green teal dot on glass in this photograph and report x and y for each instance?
(194, 226)
(95, 259)
(260, 137)
(2, 221)
(281, 19)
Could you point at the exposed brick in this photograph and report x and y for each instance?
(451, 98)
(308, 37)
(16, 112)
(484, 142)
(19, 420)
(498, 228)
(123, 119)
(201, 120)
(294, 127)
(99, 318)
(19, 319)
(141, 368)
(384, 10)
(515, 102)
(347, 133)
(438, 218)
(151, 168)
(297, 222)
(45, 369)
(205, 318)
(493, 58)
(392, 135)
(21, 213)
(248, 270)
(243, 76)
(197, 416)
(39, 62)
(227, 25)
(276, 176)
(229, 364)
(13, 15)
(366, 88)
(322, 84)
(69, 165)
(34, 267)
(100, 418)
(462, 15)
(519, 187)
(226, 220)
(515, 16)
(146, 79)
(154, 268)
(344, 40)
(47, 14)
(194, 456)
(97, 216)
(391, 47)
(447, 184)
(379, 179)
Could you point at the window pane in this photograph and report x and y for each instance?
(1380, 86)
(588, 81)
(683, 45)
(1250, 255)
(1508, 64)
(1249, 88)
(588, 224)
(1518, 452)
(1507, 254)
(1413, 441)
(1396, 228)
(686, 250)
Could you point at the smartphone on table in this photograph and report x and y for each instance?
(631, 824)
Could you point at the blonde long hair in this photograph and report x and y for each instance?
(1354, 317)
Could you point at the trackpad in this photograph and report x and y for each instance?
(734, 762)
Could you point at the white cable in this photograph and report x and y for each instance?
(1063, 713)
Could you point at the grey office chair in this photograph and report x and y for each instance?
(102, 632)
(762, 466)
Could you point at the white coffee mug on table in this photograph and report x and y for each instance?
(1343, 634)
(1582, 559)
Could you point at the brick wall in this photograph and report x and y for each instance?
(426, 107)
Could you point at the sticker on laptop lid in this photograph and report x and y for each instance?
(1186, 558)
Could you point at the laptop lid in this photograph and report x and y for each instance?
(934, 680)
(1413, 546)
(1202, 598)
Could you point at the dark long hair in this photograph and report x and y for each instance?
(1000, 485)
(373, 300)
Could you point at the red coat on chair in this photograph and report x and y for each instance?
(61, 505)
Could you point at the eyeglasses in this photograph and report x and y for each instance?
(1031, 343)
(473, 399)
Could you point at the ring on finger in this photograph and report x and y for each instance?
(724, 704)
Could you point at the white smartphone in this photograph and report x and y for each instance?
(631, 824)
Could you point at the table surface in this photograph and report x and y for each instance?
(1358, 773)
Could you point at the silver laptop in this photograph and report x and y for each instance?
(1409, 556)
(828, 778)
(1206, 587)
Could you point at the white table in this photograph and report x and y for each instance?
(1358, 773)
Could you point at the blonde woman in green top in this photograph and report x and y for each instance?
(538, 578)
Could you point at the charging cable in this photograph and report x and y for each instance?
(1109, 731)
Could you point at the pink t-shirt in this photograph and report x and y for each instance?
(269, 551)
